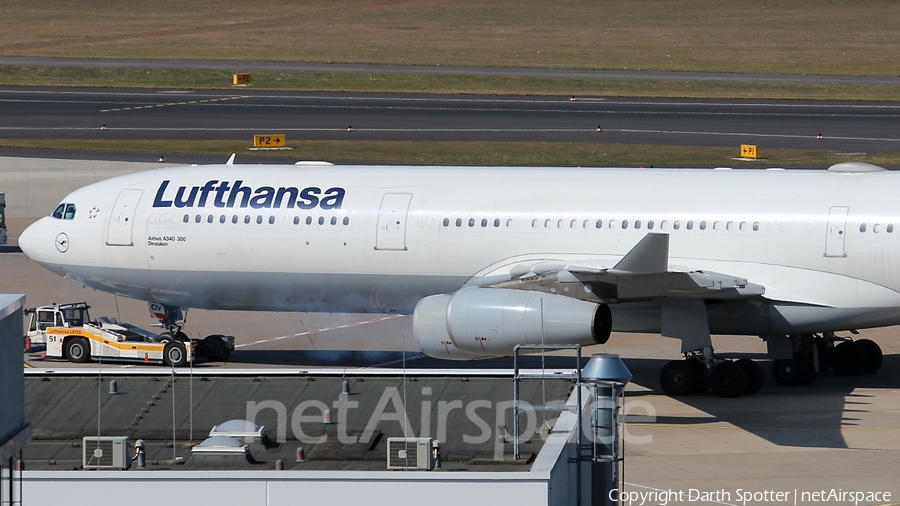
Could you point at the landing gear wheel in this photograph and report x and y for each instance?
(181, 336)
(165, 337)
(78, 350)
(794, 372)
(849, 359)
(679, 377)
(728, 379)
(174, 354)
(754, 375)
(873, 354)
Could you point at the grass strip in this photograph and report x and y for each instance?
(477, 153)
(365, 82)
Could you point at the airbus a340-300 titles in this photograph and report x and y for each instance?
(486, 258)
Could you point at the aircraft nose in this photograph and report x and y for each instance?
(25, 240)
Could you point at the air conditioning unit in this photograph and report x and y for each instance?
(409, 453)
(107, 452)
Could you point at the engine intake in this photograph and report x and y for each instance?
(477, 322)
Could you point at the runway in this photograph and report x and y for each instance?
(241, 113)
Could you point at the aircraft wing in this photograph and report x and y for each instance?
(642, 274)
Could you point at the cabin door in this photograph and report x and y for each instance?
(391, 233)
(836, 232)
(121, 221)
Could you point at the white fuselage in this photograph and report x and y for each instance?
(377, 239)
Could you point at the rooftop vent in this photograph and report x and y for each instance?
(240, 429)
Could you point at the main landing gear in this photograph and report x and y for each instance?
(696, 374)
(810, 355)
(216, 347)
(813, 354)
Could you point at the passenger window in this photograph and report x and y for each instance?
(742, 226)
(209, 218)
(259, 220)
(690, 225)
(715, 225)
(637, 224)
(702, 225)
(222, 219)
(573, 223)
(624, 224)
(296, 220)
(729, 226)
(334, 220)
(197, 218)
(186, 218)
(612, 224)
(546, 223)
(496, 222)
(309, 220)
(676, 224)
(321, 220)
(458, 222)
(876, 228)
(471, 222)
(446, 222)
(559, 224)
(246, 218)
(533, 223)
(271, 220)
(58, 212)
(509, 223)
(483, 222)
(346, 220)
(234, 218)
(890, 228)
(599, 224)
(650, 225)
(862, 227)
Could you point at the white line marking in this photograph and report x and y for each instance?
(318, 331)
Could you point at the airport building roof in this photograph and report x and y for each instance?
(458, 408)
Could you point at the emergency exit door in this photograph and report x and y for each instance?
(835, 234)
(121, 221)
(391, 233)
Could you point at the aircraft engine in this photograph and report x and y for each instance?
(477, 322)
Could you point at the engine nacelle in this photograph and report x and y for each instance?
(477, 322)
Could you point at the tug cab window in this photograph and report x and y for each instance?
(64, 212)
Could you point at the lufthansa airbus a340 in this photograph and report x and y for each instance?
(486, 258)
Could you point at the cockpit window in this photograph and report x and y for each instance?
(64, 212)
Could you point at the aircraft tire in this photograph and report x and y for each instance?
(174, 354)
(78, 350)
(679, 377)
(728, 379)
(754, 375)
(849, 359)
(874, 355)
(165, 337)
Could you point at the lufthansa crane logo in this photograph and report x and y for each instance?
(62, 242)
